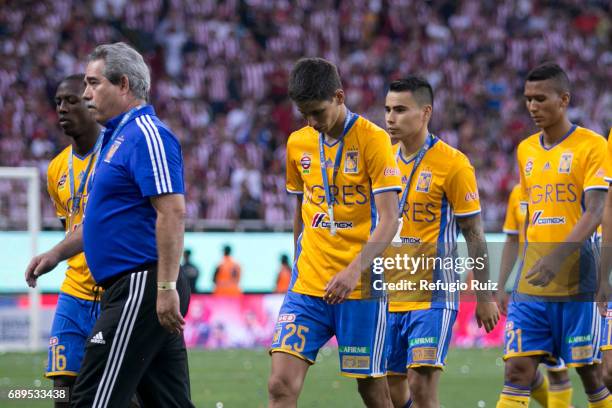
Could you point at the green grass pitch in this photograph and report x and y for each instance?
(237, 378)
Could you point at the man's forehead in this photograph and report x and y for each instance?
(94, 68)
(403, 98)
(68, 88)
(539, 87)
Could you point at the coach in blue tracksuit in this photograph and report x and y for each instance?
(132, 237)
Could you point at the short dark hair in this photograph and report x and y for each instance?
(79, 78)
(550, 70)
(227, 250)
(420, 88)
(313, 79)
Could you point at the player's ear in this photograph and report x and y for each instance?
(124, 84)
(565, 99)
(427, 111)
(339, 96)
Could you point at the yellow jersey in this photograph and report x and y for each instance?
(367, 167)
(608, 166)
(443, 188)
(553, 183)
(78, 281)
(514, 223)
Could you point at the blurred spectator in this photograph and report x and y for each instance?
(284, 275)
(221, 69)
(190, 270)
(227, 275)
(249, 206)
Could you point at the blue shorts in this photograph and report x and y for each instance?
(567, 330)
(419, 338)
(305, 323)
(606, 335)
(73, 321)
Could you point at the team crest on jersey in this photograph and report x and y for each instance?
(424, 181)
(113, 149)
(528, 167)
(546, 166)
(565, 164)
(306, 162)
(351, 162)
(62, 182)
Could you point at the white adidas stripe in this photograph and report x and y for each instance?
(127, 306)
(121, 339)
(163, 153)
(129, 333)
(150, 148)
(374, 353)
(446, 317)
(156, 152)
(379, 339)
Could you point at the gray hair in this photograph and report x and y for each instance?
(121, 59)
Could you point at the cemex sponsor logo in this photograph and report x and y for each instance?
(537, 219)
(318, 221)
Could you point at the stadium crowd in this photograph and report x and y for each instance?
(220, 73)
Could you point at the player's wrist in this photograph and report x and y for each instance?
(484, 296)
(168, 285)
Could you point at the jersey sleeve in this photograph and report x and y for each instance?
(156, 164)
(608, 166)
(380, 163)
(52, 184)
(462, 190)
(594, 173)
(511, 223)
(294, 183)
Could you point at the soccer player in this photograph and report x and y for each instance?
(132, 236)
(440, 195)
(343, 174)
(606, 267)
(555, 389)
(67, 177)
(552, 314)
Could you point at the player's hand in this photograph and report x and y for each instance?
(544, 270)
(602, 298)
(502, 298)
(39, 265)
(487, 315)
(341, 285)
(168, 311)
